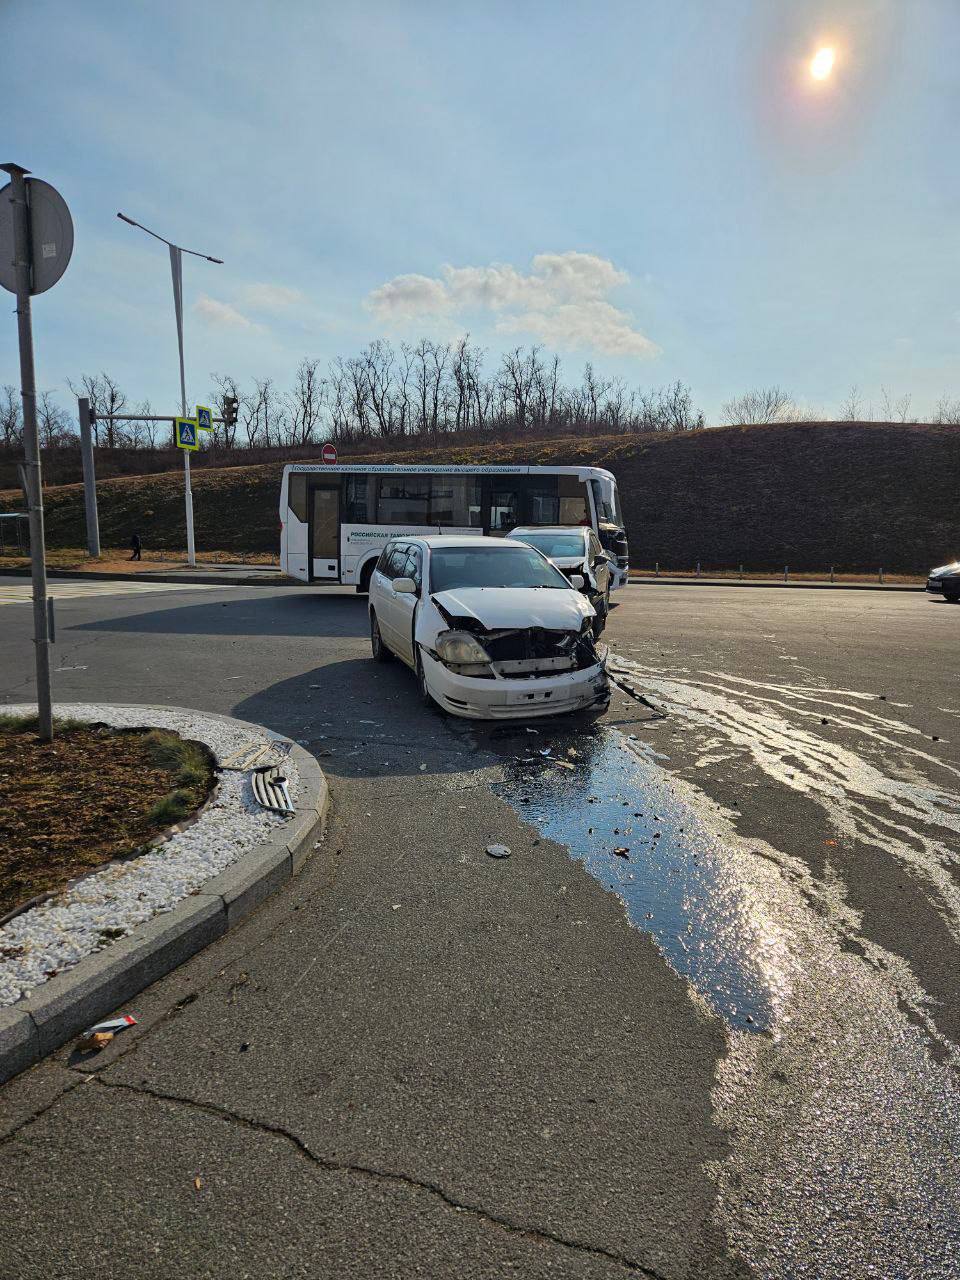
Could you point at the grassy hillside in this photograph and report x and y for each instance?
(857, 495)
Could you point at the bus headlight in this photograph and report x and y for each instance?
(460, 649)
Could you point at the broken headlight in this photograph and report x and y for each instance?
(460, 649)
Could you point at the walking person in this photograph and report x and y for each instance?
(135, 546)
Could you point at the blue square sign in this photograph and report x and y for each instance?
(204, 418)
(186, 433)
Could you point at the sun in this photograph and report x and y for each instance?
(821, 64)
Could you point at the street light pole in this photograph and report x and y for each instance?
(176, 270)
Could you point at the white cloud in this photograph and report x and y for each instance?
(221, 314)
(270, 297)
(561, 300)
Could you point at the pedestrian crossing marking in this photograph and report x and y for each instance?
(16, 594)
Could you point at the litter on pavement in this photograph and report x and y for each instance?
(498, 851)
(99, 1036)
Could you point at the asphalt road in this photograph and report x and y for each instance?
(729, 1052)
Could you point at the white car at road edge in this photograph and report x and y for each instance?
(492, 628)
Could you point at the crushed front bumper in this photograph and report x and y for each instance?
(505, 699)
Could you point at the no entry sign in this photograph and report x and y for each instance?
(329, 454)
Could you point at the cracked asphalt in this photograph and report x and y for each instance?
(416, 1060)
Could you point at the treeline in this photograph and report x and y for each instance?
(385, 393)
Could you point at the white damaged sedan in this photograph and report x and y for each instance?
(492, 629)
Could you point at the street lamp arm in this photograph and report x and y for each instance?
(193, 252)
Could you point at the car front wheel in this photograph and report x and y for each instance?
(425, 696)
(380, 651)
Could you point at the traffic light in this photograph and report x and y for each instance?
(229, 410)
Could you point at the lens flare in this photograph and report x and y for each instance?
(821, 64)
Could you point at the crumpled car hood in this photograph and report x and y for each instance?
(944, 569)
(496, 607)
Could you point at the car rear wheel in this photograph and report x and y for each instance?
(952, 595)
(380, 651)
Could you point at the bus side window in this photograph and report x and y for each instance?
(357, 500)
(297, 496)
(455, 501)
(404, 499)
(572, 495)
(504, 506)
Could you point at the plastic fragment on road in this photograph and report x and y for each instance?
(101, 1033)
(622, 851)
(498, 851)
(563, 764)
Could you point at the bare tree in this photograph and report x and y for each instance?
(11, 417)
(895, 410)
(226, 386)
(852, 407)
(769, 404)
(305, 403)
(54, 424)
(106, 399)
(947, 412)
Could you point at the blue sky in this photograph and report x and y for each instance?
(658, 187)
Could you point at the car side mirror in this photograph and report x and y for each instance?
(576, 581)
(404, 586)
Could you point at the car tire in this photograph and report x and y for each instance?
(380, 651)
(426, 698)
(951, 597)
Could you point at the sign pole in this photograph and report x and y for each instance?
(176, 270)
(31, 441)
(89, 477)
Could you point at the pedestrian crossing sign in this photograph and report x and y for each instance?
(204, 418)
(186, 433)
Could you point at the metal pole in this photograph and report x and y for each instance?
(176, 270)
(89, 478)
(31, 448)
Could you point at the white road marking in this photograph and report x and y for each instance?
(16, 594)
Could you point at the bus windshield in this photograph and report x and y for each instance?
(492, 567)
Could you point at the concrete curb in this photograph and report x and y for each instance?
(664, 580)
(71, 1001)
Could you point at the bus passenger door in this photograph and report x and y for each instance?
(325, 530)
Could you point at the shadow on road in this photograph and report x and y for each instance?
(287, 615)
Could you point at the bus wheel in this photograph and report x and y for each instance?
(363, 586)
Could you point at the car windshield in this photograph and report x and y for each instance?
(554, 544)
(492, 567)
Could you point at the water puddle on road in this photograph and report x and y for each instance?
(619, 815)
(843, 1128)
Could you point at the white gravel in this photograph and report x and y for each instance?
(54, 936)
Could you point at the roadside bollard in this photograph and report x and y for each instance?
(698, 568)
(831, 573)
(881, 576)
(741, 571)
(656, 569)
(786, 573)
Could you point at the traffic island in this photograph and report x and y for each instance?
(96, 943)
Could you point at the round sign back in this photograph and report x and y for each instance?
(329, 454)
(51, 236)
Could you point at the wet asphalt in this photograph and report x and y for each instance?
(700, 1023)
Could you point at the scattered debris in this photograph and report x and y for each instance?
(423, 768)
(498, 851)
(546, 751)
(99, 1036)
(563, 764)
(198, 1182)
(270, 790)
(622, 851)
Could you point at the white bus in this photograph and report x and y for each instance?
(335, 520)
